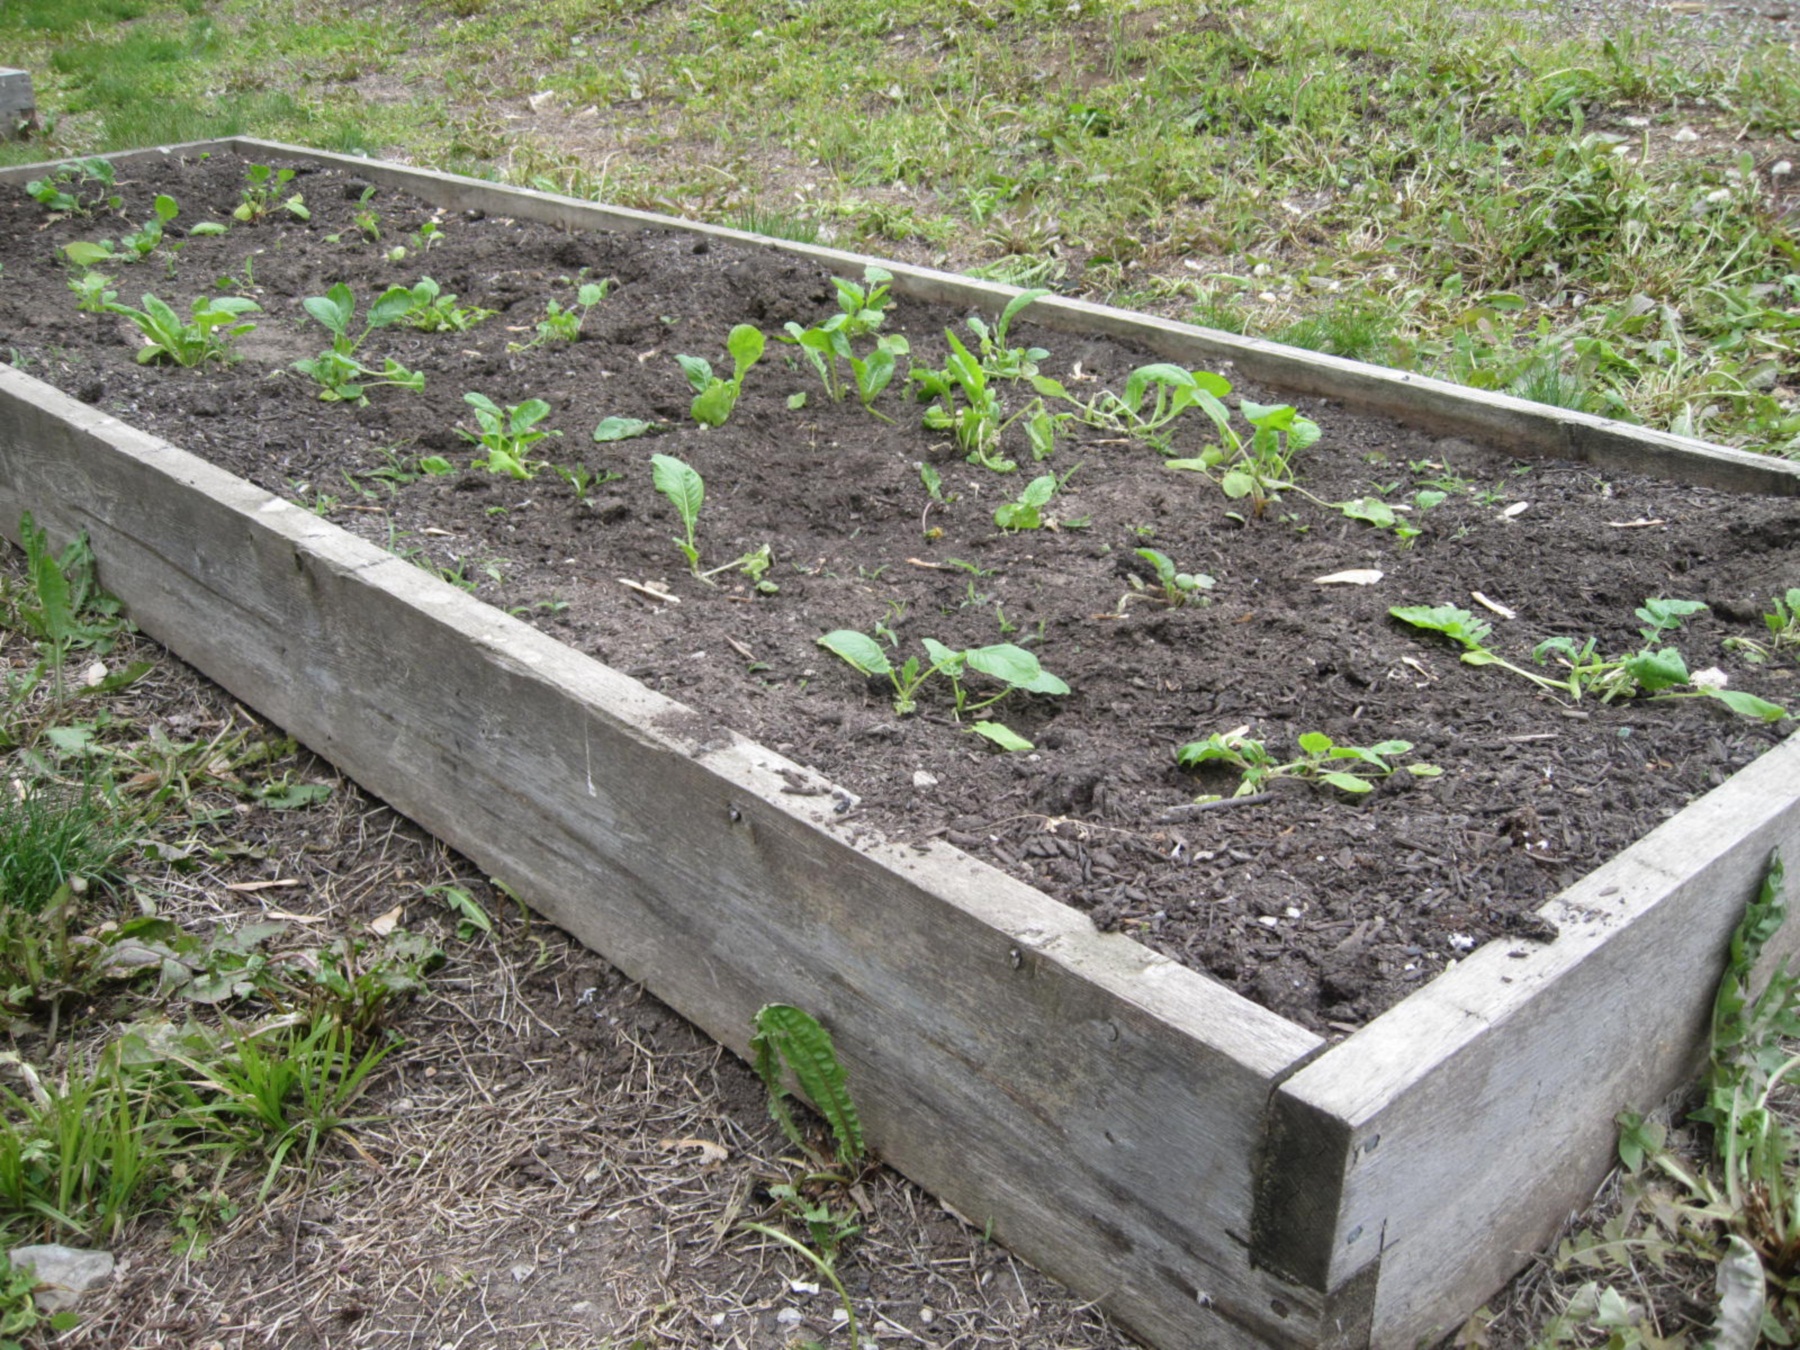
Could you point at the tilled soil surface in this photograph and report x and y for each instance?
(1320, 907)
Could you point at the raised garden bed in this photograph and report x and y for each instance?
(1213, 1172)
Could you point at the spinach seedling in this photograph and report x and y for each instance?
(1026, 511)
(92, 293)
(686, 492)
(131, 248)
(189, 343)
(1015, 668)
(260, 193)
(979, 419)
(583, 480)
(714, 398)
(1469, 633)
(433, 311)
(1348, 768)
(863, 309)
(342, 376)
(507, 434)
(564, 325)
(1174, 588)
(78, 188)
(1783, 623)
(997, 358)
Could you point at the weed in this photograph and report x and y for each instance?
(1783, 623)
(507, 435)
(53, 840)
(19, 1313)
(65, 610)
(714, 398)
(207, 337)
(341, 374)
(1349, 768)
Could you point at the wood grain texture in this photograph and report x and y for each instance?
(1513, 425)
(1097, 1104)
(17, 105)
(1465, 1123)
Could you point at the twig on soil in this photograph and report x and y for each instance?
(1175, 813)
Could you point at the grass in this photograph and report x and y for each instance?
(1489, 196)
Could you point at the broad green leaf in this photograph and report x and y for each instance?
(1274, 416)
(1003, 736)
(698, 370)
(1216, 385)
(1457, 624)
(394, 304)
(293, 796)
(684, 488)
(1237, 484)
(528, 414)
(620, 429)
(1315, 742)
(1346, 782)
(1018, 304)
(1015, 666)
(859, 649)
(745, 343)
(1657, 670)
(334, 309)
(84, 254)
(1371, 509)
(712, 406)
(1144, 378)
(798, 1040)
(165, 207)
(943, 658)
(1748, 704)
(1302, 432)
(1424, 770)
(207, 228)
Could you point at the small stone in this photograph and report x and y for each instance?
(1687, 134)
(64, 1273)
(924, 779)
(1781, 168)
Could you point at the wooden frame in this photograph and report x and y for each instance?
(1214, 1175)
(18, 109)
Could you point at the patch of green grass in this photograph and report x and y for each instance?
(49, 836)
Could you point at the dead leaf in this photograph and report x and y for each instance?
(1517, 508)
(384, 924)
(711, 1154)
(296, 918)
(1355, 576)
(1638, 524)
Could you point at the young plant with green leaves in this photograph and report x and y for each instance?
(686, 492)
(77, 188)
(1352, 769)
(1017, 670)
(261, 196)
(1174, 587)
(506, 435)
(341, 374)
(434, 311)
(714, 398)
(93, 292)
(189, 342)
(561, 324)
(1783, 623)
(968, 405)
(1026, 511)
(998, 358)
(1469, 633)
(133, 247)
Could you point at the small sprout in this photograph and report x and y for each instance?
(1175, 588)
(714, 398)
(1016, 668)
(259, 195)
(1348, 768)
(507, 435)
(432, 311)
(564, 325)
(341, 375)
(620, 429)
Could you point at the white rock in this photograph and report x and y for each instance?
(924, 779)
(1710, 678)
(1687, 134)
(64, 1273)
(93, 675)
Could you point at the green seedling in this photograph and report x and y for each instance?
(341, 375)
(428, 234)
(1783, 623)
(978, 418)
(1173, 588)
(1469, 633)
(998, 359)
(1659, 672)
(206, 337)
(435, 312)
(131, 248)
(66, 610)
(714, 398)
(621, 429)
(788, 1038)
(583, 480)
(875, 372)
(686, 492)
(1015, 668)
(1348, 768)
(260, 194)
(93, 292)
(78, 188)
(1026, 511)
(862, 309)
(564, 325)
(507, 435)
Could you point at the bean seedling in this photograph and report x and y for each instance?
(507, 435)
(714, 398)
(342, 377)
(215, 322)
(259, 195)
(1014, 667)
(1348, 768)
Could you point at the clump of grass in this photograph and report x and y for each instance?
(50, 837)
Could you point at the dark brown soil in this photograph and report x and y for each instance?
(1322, 908)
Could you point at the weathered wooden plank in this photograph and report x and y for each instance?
(1464, 1124)
(18, 109)
(1516, 426)
(1097, 1104)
